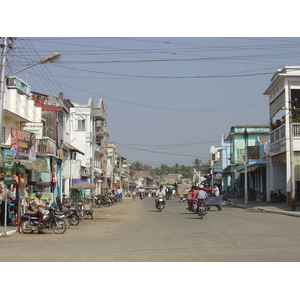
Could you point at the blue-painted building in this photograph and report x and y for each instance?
(245, 141)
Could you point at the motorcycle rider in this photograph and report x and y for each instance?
(201, 196)
(194, 191)
(38, 206)
(159, 192)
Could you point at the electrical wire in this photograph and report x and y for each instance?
(165, 108)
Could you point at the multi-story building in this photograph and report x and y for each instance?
(89, 133)
(246, 147)
(284, 150)
(112, 152)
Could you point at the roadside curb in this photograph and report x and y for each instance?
(288, 213)
(8, 232)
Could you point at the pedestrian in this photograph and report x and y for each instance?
(133, 194)
(3, 200)
(25, 200)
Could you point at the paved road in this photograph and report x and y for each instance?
(137, 232)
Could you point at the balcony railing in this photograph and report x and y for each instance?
(46, 146)
(279, 133)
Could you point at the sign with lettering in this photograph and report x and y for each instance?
(36, 128)
(23, 143)
(8, 159)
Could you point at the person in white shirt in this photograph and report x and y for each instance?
(202, 195)
(159, 192)
(216, 190)
(25, 200)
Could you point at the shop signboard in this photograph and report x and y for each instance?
(23, 143)
(36, 128)
(8, 159)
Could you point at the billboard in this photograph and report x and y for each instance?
(23, 143)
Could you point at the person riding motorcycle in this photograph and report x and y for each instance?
(159, 192)
(38, 206)
(201, 196)
(194, 191)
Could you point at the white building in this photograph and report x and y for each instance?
(284, 151)
(88, 133)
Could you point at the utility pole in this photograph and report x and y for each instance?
(291, 150)
(2, 91)
(2, 81)
(246, 171)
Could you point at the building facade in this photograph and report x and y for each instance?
(284, 149)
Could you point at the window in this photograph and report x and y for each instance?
(81, 124)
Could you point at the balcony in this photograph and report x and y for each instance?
(278, 138)
(46, 146)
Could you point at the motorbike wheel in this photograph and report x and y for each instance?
(24, 227)
(59, 226)
(74, 220)
(201, 214)
(68, 223)
(160, 207)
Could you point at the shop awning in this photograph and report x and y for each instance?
(254, 167)
(68, 146)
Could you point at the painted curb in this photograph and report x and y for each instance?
(8, 232)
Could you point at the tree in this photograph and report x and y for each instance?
(197, 164)
(185, 171)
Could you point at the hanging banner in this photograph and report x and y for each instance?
(23, 143)
(8, 158)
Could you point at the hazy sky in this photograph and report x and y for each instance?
(168, 98)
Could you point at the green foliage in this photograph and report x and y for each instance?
(185, 171)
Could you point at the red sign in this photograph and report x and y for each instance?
(23, 143)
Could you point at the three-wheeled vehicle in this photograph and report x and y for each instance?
(214, 201)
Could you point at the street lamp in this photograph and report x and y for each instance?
(51, 57)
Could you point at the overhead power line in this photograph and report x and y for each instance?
(163, 108)
(160, 152)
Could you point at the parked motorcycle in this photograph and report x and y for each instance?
(201, 209)
(29, 222)
(77, 215)
(71, 216)
(161, 203)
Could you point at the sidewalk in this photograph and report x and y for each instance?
(277, 207)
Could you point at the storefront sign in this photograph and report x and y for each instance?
(8, 158)
(23, 143)
(36, 128)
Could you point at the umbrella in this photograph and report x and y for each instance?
(83, 186)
